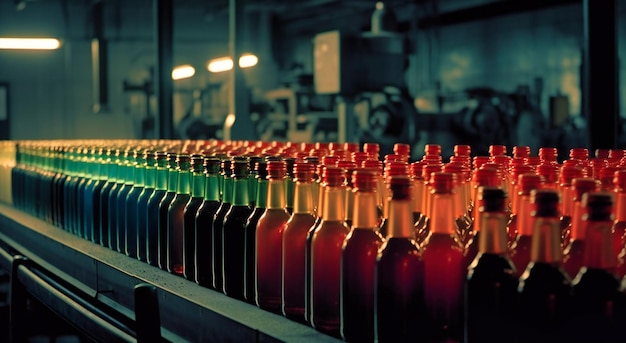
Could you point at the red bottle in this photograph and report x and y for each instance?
(520, 249)
(294, 240)
(358, 260)
(326, 253)
(444, 272)
(568, 174)
(269, 240)
(619, 227)
(399, 288)
(574, 250)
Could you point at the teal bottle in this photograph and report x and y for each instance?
(142, 205)
(175, 216)
(198, 181)
(129, 179)
(98, 186)
(88, 194)
(84, 174)
(68, 190)
(110, 170)
(130, 247)
(234, 234)
(218, 223)
(260, 169)
(152, 218)
(120, 174)
(164, 205)
(203, 242)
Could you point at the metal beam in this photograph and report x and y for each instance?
(164, 85)
(600, 68)
(99, 59)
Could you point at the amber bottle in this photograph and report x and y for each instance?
(175, 216)
(520, 249)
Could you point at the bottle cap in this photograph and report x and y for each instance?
(240, 167)
(486, 177)
(597, 164)
(462, 150)
(212, 165)
(432, 159)
(276, 169)
(197, 163)
(497, 150)
(616, 154)
(348, 167)
(579, 154)
(416, 169)
(492, 199)
(399, 187)
(303, 171)
(546, 202)
(602, 153)
(260, 169)
(533, 161)
(394, 158)
(432, 149)
(442, 182)
(478, 161)
(333, 176)
(252, 162)
(550, 172)
(372, 149)
(527, 182)
(351, 147)
(330, 160)
(548, 154)
(312, 159)
(521, 151)
(359, 157)
(171, 160)
(569, 173)
(375, 164)
(427, 171)
(519, 169)
(364, 180)
(226, 167)
(322, 146)
(619, 180)
(606, 176)
(402, 149)
(584, 185)
(396, 168)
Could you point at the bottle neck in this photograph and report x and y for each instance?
(442, 219)
(418, 200)
(400, 221)
(599, 252)
(524, 219)
(349, 204)
(184, 182)
(365, 215)
(289, 192)
(567, 203)
(197, 188)
(227, 195)
(105, 171)
(150, 177)
(546, 240)
(240, 192)
(212, 190)
(303, 198)
(161, 175)
(620, 207)
(172, 180)
(140, 176)
(130, 174)
(577, 231)
(261, 193)
(493, 235)
(276, 194)
(334, 204)
(121, 172)
(459, 204)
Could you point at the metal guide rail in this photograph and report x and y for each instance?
(92, 286)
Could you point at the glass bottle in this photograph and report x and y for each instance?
(152, 213)
(358, 260)
(269, 236)
(294, 240)
(251, 224)
(175, 213)
(544, 288)
(164, 205)
(110, 167)
(567, 175)
(574, 251)
(444, 271)
(520, 249)
(326, 254)
(142, 205)
(84, 174)
(129, 179)
(234, 234)
(100, 172)
(399, 272)
(57, 191)
(120, 177)
(619, 227)
(204, 223)
(491, 287)
(595, 290)
(289, 184)
(69, 187)
(132, 200)
(198, 181)
(218, 223)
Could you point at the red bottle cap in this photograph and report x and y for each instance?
(533, 161)
(335, 146)
(548, 154)
(276, 169)
(602, 153)
(528, 182)
(597, 164)
(396, 168)
(465, 160)
(606, 176)
(364, 180)
(376, 164)
(402, 149)
(584, 185)
(303, 171)
(432, 159)
(486, 177)
(428, 169)
(579, 154)
(348, 167)
(521, 151)
(306, 147)
(330, 160)
(550, 172)
(462, 150)
(432, 149)
(399, 187)
(616, 154)
(333, 176)
(322, 146)
(516, 161)
(394, 158)
(520, 169)
(496, 150)
(479, 161)
(442, 182)
(569, 173)
(619, 180)
(359, 157)
(351, 147)
(372, 149)
(416, 169)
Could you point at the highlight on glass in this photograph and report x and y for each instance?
(30, 43)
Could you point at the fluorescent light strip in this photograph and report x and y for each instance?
(183, 72)
(225, 63)
(29, 43)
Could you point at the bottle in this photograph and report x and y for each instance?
(358, 260)
(568, 173)
(289, 184)
(218, 223)
(260, 168)
(234, 234)
(152, 218)
(198, 181)
(544, 288)
(521, 247)
(105, 195)
(348, 167)
(269, 235)
(619, 227)
(444, 271)
(164, 205)
(69, 187)
(93, 172)
(204, 223)
(175, 216)
(120, 175)
(129, 179)
(294, 240)
(491, 287)
(326, 254)
(595, 290)
(399, 272)
(142, 205)
(132, 200)
(82, 172)
(575, 249)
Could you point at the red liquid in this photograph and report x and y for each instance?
(325, 275)
(444, 277)
(294, 241)
(269, 256)
(250, 254)
(358, 261)
(618, 236)
(574, 257)
(400, 314)
(520, 254)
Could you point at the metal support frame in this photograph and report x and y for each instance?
(164, 85)
(601, 72)
(147, 314)
(99, 59)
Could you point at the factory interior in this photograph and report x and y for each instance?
(477, 73)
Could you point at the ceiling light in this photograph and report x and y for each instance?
(226, 63)
(30, 43)
(248, 60)
(183, 72)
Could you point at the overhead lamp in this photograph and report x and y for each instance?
(183, 72)
(226, 63)
(30, 43)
